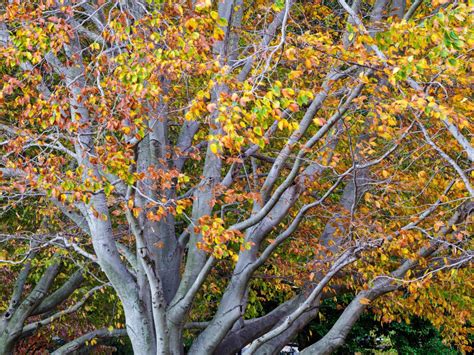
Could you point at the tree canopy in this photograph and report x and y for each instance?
(226, 166)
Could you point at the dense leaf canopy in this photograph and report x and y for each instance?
(225, 166)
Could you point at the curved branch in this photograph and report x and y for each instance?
(298, 162)
(345, 259)
(35, 325)
(61, 294)
(32, 300)
(448, 159)
(78, 343)
(382, 285)
(453, 129)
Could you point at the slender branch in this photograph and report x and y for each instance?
(298, 161)
(448, 159)
(345, 259)
(61, 294)
(78, 343)
(411, 11)
(185, 302)
(35, 325)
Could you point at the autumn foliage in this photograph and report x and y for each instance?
(209, 159)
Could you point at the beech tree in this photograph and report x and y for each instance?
(42, 282)
(42, 304)
(325, 144)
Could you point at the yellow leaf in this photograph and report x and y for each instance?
(392, 121)
(290, 54)
(258, 131)
(218, 34)
(203, 4)
(364, 78)
(191, 24)
(95, 46)
(214, 148)
(214, 15)
(364, 300)
(282, 123)
(438, 225)
(319, 121)
(294, 74)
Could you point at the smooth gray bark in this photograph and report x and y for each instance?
(78, 343)
(156, 295)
